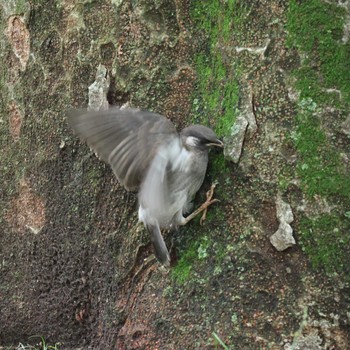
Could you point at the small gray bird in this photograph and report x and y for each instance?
(147, 154)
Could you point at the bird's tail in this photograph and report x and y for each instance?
(160, 249)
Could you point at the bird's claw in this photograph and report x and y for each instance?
(211, 191)
(208, 202)
(204, 207)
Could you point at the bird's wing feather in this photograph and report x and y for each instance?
(127, 139)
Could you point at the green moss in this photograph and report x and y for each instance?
(326, 241)
(219, 168)
(183, 268)
(196, 251)
(16, 7)
(320, 169)
(215, 102)
(314, 22)
(315, 27)
(217, 83)
(22, 7)
(229, 104)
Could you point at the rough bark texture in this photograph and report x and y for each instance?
(74, 265)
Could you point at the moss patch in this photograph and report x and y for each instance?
(320, 169)
(215, 101)
(197, 250)
(326, 240)
(183, 268)
(217, 84)
(315, 27)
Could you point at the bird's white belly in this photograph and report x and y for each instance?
(168, 191)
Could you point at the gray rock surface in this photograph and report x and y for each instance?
(283, 211)
(244, 127)
(283, 237)
(98, 90)
(234, 143)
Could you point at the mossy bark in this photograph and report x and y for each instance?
(76, 268)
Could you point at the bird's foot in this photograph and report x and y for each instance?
(208, 202)
(204, 207)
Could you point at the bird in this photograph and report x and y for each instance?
(148, 155)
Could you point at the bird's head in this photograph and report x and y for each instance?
(200, 137)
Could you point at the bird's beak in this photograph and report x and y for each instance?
(218, 143)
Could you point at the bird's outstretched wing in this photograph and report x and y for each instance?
(127, 139)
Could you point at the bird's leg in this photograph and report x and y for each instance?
(203, 208)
